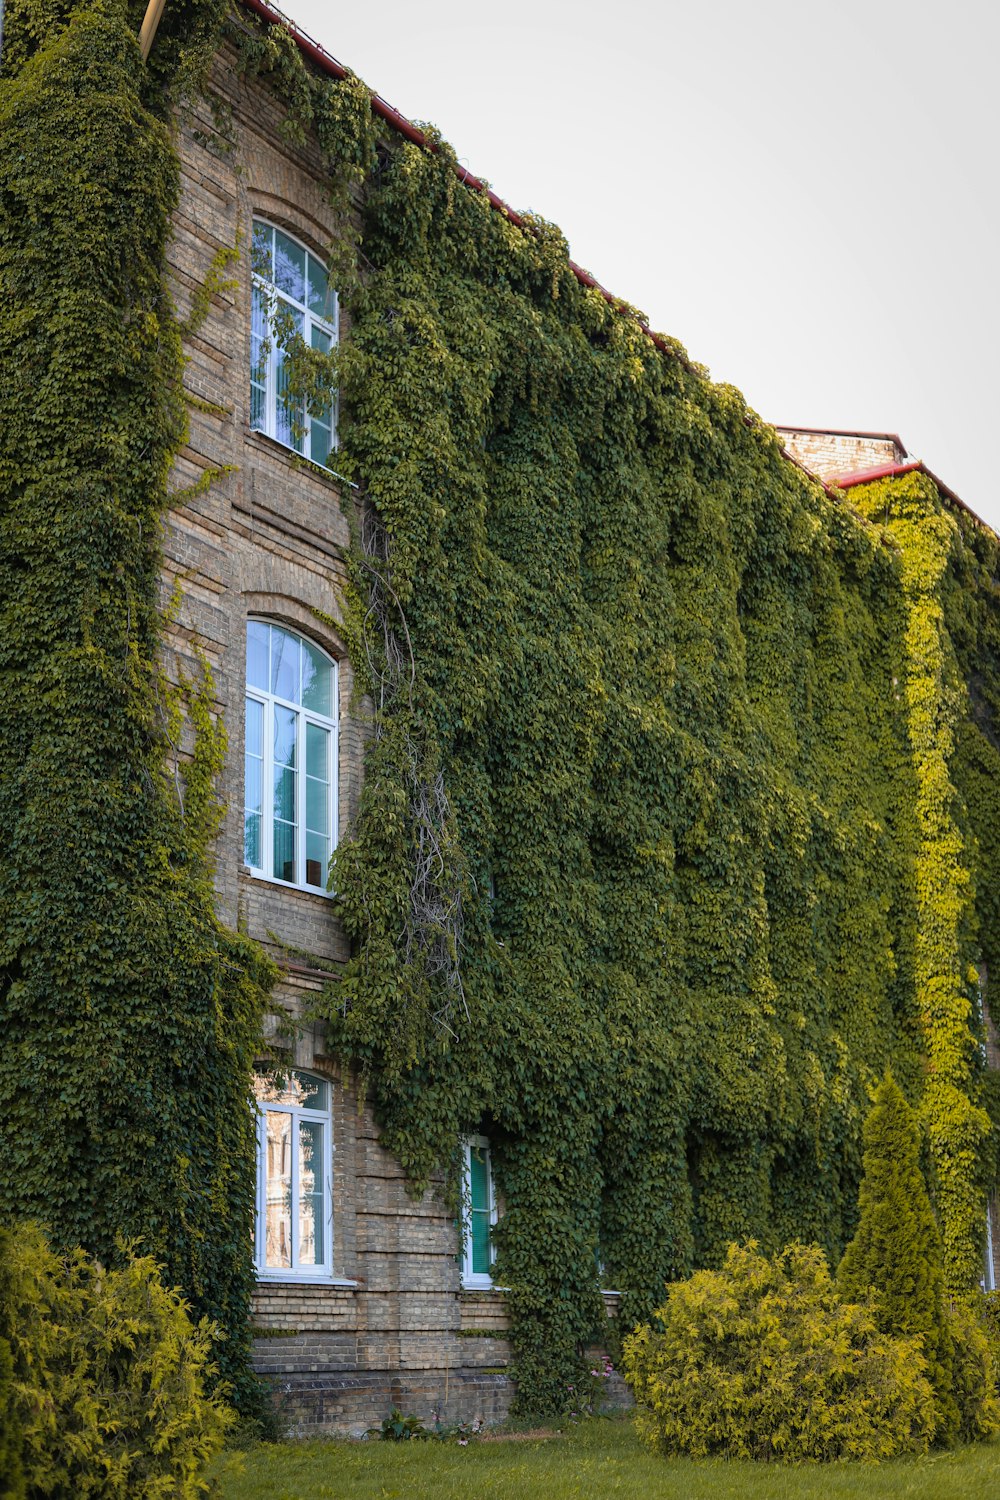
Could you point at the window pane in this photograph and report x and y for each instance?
(251, 839)
(480, 1244)
(317, 806)
(284, 664)
(257, 633)
(284, 851)
(289, 266)
(320, 441)
(255, 730)
(320, 295)
(321, 339)
(258, 360)
(278, 1189)
(290, 414)
(317, 763)
(289, 1086)
(312, 1180)
(317, 859)
(260, 252)
(313, 1092)
(285, 723)
(317, 688)
(254, 784)
(284, 793)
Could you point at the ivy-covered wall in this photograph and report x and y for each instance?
(680, 811)
(130, 1015)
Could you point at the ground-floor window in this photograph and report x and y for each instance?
(294, 1235)
(479, 1212)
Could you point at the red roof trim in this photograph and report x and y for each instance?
(893, 471)
(406, 128)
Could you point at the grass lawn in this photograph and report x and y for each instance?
(590, 1461)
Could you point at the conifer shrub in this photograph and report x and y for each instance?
(763, 1359)
(109, 1377)
(989, 1317)
(973, 1371)
(897, 1251)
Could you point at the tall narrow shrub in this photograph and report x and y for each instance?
(897, 1247)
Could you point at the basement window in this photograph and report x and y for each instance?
(292, 299)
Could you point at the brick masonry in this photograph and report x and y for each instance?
(833, 454)
(267, 537)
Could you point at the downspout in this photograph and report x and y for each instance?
(150, 21)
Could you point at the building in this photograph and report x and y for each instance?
(368, 1298)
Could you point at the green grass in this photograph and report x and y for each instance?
(589, 1462)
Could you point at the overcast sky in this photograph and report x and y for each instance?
(807, 197)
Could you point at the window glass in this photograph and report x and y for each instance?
(261, 255)
(284, 664)
(294, 1162)
(257, 638)
(317, 680)
(292, 298)
(319, 291)
(479, 1213)
(278, 1190)
(290, 757)
(289, 266)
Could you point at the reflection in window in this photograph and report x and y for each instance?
(292, 299)
(293, 1173)
(290, 771)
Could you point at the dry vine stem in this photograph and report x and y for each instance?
(433, 933)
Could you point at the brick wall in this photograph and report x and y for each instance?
(268, 537)
(829, 454)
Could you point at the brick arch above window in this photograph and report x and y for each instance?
(283, 609)
(316, 235)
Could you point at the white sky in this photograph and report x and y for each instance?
(807, 197)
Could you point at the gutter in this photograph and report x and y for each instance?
(894, 471)
(410, 132)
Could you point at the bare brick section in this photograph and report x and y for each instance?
(829, 454)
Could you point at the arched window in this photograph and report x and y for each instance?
(291, 297)
(290, 798)
(294, 1165)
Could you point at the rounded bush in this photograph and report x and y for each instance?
(108, 1374)
(762, 1359)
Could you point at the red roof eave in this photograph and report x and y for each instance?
(411, 132)
(893, 471)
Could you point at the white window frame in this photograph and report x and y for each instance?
(299, 1273)
(273, 295)
(476, 1280)
(989, 1277)
(305, 716)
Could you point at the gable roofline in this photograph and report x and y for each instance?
(893, 471)
(890, 437)
(411, 132)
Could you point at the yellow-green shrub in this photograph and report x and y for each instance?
(762, 1359)
(973, 1370)
(109, 1376)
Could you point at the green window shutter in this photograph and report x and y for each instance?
(479, 1187)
